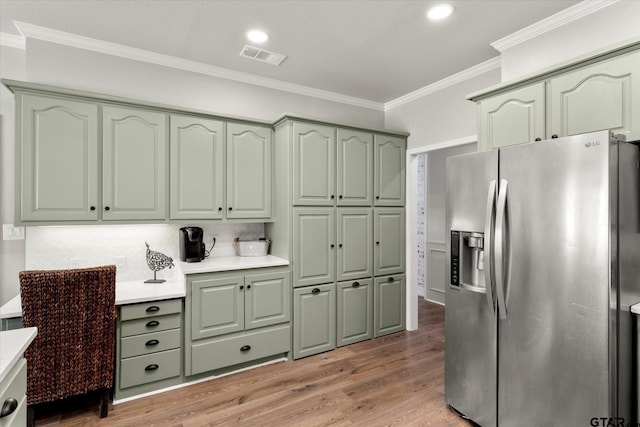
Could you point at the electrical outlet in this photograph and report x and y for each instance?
(75, 262)
(120, 262)
(9, 232)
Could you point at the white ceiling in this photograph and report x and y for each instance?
(376, 50)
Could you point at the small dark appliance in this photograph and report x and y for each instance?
(191, 244)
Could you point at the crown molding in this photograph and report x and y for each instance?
(452, 80)
(13, 40)
(100, 46)
(561, 18)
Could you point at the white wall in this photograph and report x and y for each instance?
(12, 65)
(442, 116)
(613, 24)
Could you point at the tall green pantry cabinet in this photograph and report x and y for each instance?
(339, 219)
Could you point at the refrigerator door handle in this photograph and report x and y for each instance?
(499, 248)
(488, 243)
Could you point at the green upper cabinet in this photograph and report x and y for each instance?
(512, 118)
(354, 168)
(134, 144)
(58, 159)
(388, 234)
(313, 246)
(197, 168)
(389, 169)
(355, 243)
(249, 171)
(605, 95)
(314, 171)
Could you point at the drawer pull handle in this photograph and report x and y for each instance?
(152, 323)
(152, 367)
(245, 348)
(8, 407)
(152, 343)
(315, 291)
(356, 285)
(390, 279)
(152, 309)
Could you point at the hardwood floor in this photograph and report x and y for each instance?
(396, 380)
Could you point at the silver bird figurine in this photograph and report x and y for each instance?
(157, 261)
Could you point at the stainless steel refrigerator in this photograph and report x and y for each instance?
(543, 263)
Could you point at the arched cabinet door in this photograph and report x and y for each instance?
(58, 159)
(389, 166)
(314, 168)
(602, 96)
(354, 168)
(516, 117)
(249, 171)
(134, 156)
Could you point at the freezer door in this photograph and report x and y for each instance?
(553, 361)
(470, 328)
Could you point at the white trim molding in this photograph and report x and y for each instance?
(561, 18)
(471, 139)
(452, 80)
(100, 46)
(13, 40)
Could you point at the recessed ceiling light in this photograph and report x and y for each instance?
(440, 11)
(257, 36)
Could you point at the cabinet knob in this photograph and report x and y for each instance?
(151, 367)
(152, 324)
(151, 343)
(377, 243)
(333, 246)
(106, 208)
(241, 287)
(377, 197)
(340, 245)
(219, 208)
(333, 196)
(230, 208)
(340, 196)
(355, 285)
(152, 309)
(93, 208)
(315, 291)
(538, 139)
(248, 286)
(245, 348)
(8, 407)
(554, 136)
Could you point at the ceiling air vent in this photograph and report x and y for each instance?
(262, 55)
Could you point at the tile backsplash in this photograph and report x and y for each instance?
(87, 246)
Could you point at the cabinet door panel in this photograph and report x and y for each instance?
(389, 300)
(217, 306)
(267, 299)
(314, 170)
(59, 159)
(313, 246)
(389, 246)
(354, 302)
(314, 320)
(605, 95)
(355, 168)
(512, 118)
(134, 164)
(197, 168)
(249, 172)
(355, 243)
(389, 170)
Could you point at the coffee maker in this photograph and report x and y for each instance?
(191, 244)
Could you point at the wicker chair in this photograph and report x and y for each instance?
(73, 353)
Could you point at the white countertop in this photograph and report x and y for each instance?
(635, 309)
(137, 291)
(12, 345)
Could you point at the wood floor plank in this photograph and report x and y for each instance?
(395, 380)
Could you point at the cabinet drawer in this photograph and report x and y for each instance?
(211, 354)
(143, 326)
(150, 343)
(148, 309)
(149, 368)
(15, 384)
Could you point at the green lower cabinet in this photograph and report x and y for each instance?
(233, 318)
(389, 304)
(354, 301)
(314, 320)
